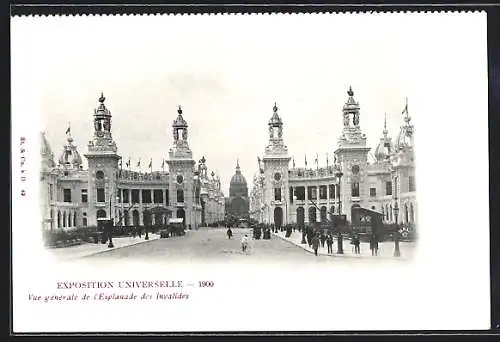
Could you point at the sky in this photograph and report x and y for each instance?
(227, 72)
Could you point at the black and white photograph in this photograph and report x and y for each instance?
(279, 159)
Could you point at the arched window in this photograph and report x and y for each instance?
(101, 213)
(69, 219)
(332, 210)
(135, 218)
(64, 219)
(74, 219)
(412, 213)
(390, 213)
(58, 219)
(406, 213)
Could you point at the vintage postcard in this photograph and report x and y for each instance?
(221, 173)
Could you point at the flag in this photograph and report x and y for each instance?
(327, 160)
(316, 161)
(405, 110)
(293, 162)
(305, 159)
(163, 164)
(128, 163)
(151, 163)
(139, 163)
(68, 130)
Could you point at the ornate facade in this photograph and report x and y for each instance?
(73, 197)
(283, 195)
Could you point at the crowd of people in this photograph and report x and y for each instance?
(314, 238)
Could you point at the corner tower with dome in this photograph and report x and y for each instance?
(237, 204)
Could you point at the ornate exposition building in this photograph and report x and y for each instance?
(74, 197)
(283, 195)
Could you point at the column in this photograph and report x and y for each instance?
(130, 196)
(164, 197)
(328, 195)
(152, 196)
(140, 196)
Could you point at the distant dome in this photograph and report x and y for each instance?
(238, 184)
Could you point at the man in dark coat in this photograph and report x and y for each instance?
(329, 243)
(315, 244)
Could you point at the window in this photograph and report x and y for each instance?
(300, 193)
(332, 191)
(355, 189)
(84, 221)
(388, 188)
(180, 196)
(146, 196)
(166, 197)
(135, 196)
(322, 192)
(51, 192)
(84, 196)
(411, 183)
(125, 195)
(373, 192)
(311, 192)
(277, 194)
(74, 220)
(67, 195)
(100, 195)
(291, 195)
(99, 175)
(158, 196)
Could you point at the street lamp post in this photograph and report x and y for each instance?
(397, 252)
(340, 249)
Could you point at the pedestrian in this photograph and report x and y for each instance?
(329, 243)
(322, 239)
(229, 233)
(356, 244)
(244, 243)
(374, 245)
(315, 244)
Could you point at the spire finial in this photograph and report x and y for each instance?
(275, 108)
(179, 110)
(385, 125)
(102, 98)
(350, 92)
(237, 163)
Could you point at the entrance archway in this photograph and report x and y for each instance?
(278, 217)
(352, 209)
(181, 214)
(135, 218)
(322, 214)
(312, 215)
(101, 213)
(125, 218)
(146, 218)
(300, 217)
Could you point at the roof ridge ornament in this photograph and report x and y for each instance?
(102, 98)
(179, 110)
(350, 92)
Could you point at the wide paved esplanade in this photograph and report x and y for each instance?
(109, 188)
(284, 194)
